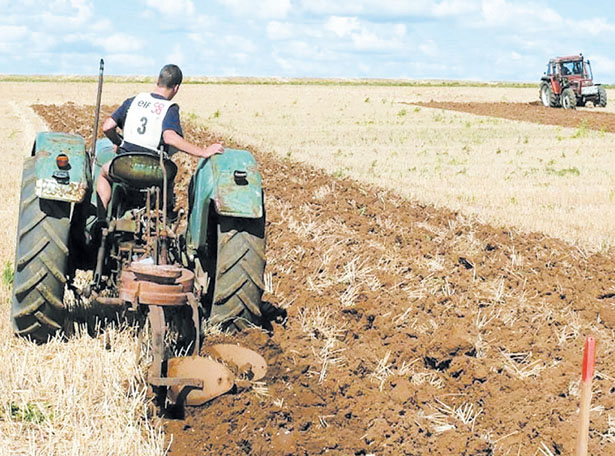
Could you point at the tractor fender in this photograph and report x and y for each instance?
(231, 183)
(69, 183)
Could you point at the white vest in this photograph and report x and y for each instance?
(143, 125)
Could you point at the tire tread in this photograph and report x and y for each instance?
(238, 282)
(41, 261)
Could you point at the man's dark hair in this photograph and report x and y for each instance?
(170, 76)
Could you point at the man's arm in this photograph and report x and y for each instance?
(171, 138)
(110, 130)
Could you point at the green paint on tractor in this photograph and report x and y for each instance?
(68, 184)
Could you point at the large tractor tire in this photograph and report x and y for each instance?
(548, 98)
(41, 262)
(601, 97)
(236, 271)
(569, 99)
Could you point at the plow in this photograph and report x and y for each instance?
(174, 270)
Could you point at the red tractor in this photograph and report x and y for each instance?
(569, 83)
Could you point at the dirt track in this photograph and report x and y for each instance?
(443, 315)
(593, 119)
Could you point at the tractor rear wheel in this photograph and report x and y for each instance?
(548, 98)
(41, 262)
(601, 97)
(237, 274)
(568, 99)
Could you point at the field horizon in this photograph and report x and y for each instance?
(271, 80)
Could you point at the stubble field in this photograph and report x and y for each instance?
(423, 318)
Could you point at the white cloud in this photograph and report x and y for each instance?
(177, 56)
(593, 27)
(518, 15)
(116, 42)
(120, 42)
(365, 35)
(399, 30)
(279, 30)
(130, 62)
(367, 40)
(175, 16)
(21, 40)
(391, 8)
(65, 13)
(455, 8)
(13, 32)
(429, 48)
(172, 7)
(264, 9)
(602, 65)
(342, 26)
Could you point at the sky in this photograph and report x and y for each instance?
(478, 40)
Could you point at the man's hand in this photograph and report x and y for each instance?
(171, 138)
(213, 150)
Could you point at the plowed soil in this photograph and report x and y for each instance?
(411, 330)
(533, 112)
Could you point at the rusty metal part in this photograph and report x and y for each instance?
(163, 257)
(196, 321)
(216, 379)
(243, 361)
(157, 230)
(100, 257)
(200, 277)
(73, 192)
(108, 301)
(164, 190)
(191, 380)
(155, 376)
(163, 274)
(148, 212)
(159, 286)
(128, 225)
(157, 322)
(163, 235)
(180, 217)
(152, 293)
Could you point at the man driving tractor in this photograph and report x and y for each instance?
(149, 121)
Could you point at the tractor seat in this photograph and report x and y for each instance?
(140, 169)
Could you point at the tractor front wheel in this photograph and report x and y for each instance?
(548, 98)
(41, 262)
(601, 97)
(236, 271)
(569, 99)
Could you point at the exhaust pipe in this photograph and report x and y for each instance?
(97, 113)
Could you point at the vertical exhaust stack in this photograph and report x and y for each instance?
(97, 113)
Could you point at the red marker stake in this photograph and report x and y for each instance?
(589, 361)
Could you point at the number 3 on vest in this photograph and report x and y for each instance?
(141, 129)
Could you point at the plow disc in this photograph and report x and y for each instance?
(216, 379)
(246, 363)
(189, 380)
(230, 364)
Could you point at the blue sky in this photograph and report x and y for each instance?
(483, 40)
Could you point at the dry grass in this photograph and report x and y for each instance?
(84, 396)
(535, 177)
